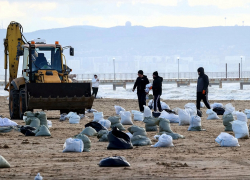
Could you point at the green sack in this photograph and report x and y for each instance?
(5, 129)
(136, 130)
(43, 118)
(140, 140)
(86, 141)
(173, 135)
(150, 123)
(114, 119)
(227, 119)
(89, 131)
(119, 126)
(34, 122)
(150, 96)
(196, 128)
(164, 125)
(103, 135)
(4, 163)
(29, 114)
(43, 131)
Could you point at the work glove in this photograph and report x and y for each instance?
(203, 92)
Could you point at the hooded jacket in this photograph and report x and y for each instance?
(157, 85)
(141, 83)
(203, 81)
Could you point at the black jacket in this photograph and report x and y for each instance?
(141, 83)
(203, 81)
(157, 85)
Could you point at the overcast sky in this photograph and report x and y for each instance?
(46, 14)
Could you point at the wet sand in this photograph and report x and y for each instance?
(197, 156)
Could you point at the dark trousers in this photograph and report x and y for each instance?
(141, 100)
(157, 102)
(95, 90)
(203, 97)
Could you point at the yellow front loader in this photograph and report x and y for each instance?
(44, 83)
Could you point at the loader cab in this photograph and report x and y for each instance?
(40, 58)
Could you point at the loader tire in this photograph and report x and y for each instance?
(22, 103)
(14, 104)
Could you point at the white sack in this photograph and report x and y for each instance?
(229, 109)
(147, 111)
(216, 105)
(126, 118)
(98, 116)
(227, 140)
(7, 122)
(129, 134)
(164, 141)
(164, 105)
(195, 121)
(73, 145)
(70, 114)
(118, 109)
(202, 104)
(184, 117)
(240, 129)
(241, 116)
(171, 117)
(74, 119)
(211, 114)
(105, 123)
(247, 112)
(147, 87)
(138, 116)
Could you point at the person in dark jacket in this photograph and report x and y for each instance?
(157, 91)
(202, 88)
(140, 84)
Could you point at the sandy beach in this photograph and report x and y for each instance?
(197, 156)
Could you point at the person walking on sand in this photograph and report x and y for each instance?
(157, 91)
(95, 85)
(202, 89)
(140, 84)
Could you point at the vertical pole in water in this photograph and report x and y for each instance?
(239, 70)
(178, 67)
(241, 66)
(226, 70)
(114, 67)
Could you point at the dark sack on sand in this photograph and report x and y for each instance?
(115, 161)
(219, 110)
(95, 125)
(119, 140)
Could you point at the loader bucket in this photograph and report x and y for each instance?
(59, 96)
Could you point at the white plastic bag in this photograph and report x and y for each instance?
(184, 117)
(190, 105)
(211, 114)
(70, 114)
(147, 111)
(98, 116)
(138, 116)
(164, 105)
(164, 141)
(49, 124)
(247, 112)
(195, 121)
(241, 116)
(171, 117)
(118, 109)
(240, 129)
(38, 177)
(7, 122)
(105, 123)
(126, 118)
(73, 145)
(216, 105)
(229, 109)
(147, 87)
(151, 103)
(202, 104)
(227, 140)
(74, 119)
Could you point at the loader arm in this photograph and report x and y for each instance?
(12, 50)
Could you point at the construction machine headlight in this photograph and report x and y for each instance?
(68, 70)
